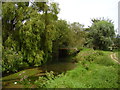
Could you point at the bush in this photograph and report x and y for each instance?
(48, 79)
(44, 80)
(88, 55)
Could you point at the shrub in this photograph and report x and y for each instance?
(41, 82)
(44, 80)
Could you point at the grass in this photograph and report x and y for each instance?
(95, 69)
(96, 77)
(8, 81)
(29, 72)
(102, 72)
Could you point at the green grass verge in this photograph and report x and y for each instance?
(96, 77)
(101, 72)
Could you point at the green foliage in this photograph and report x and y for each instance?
(95, 56)
(12, 61)
(42, 81)
(61, 37)
(28, 31)
(62, 32)
(33, 35)
(101, 34)
(96, 77)
(89, 74)
(105, 60)
(30, 36)
(77, 35)
(68, 36)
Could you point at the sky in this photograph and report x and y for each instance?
(83, 11)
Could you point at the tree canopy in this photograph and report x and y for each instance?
(101, 34)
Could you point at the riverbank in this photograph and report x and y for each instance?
(34, 73)
(92, 72)
(94, 69)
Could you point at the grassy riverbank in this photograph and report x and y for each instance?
(95, 69)
(33, 74)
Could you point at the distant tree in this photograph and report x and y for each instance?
(77, 36)
(101, 34)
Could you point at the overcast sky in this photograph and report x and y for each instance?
(83, 10)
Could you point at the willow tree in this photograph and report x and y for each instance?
(29, 30)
